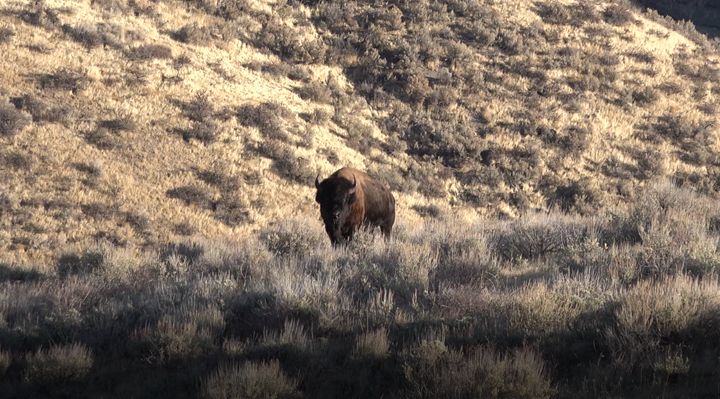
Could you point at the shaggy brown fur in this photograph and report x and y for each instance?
(349, 200)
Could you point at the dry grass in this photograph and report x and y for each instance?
(622, 302)
(12, 121)
(251, 381)
(58, 364)
(156, 183)
(496, 112)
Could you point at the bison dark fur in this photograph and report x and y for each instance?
(349, 200)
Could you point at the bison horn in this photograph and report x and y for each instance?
(317, 182)
(352, 188)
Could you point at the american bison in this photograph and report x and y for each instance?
(349, 200)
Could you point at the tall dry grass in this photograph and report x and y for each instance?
(623, 302)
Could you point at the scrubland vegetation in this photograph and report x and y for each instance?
(158, 236)
(621, 304)
(502, 108)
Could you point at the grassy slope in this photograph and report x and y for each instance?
(595, 138)
(618, 303)
(149, 159)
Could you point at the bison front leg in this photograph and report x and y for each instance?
(348, 234)
(386, 231)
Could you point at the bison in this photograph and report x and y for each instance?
(349, 200)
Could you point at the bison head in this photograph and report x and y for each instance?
(336, 197)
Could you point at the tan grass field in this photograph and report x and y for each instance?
(136, 172)
(555, 163)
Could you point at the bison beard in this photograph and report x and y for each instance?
(349, 200)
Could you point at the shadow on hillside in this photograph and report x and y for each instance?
(12, 273)
(705, 14)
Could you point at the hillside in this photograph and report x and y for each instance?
(141, 122)
(555, 164)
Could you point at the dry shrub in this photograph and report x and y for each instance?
(64, 79)
(560, 14)
(206, 132)
(285, 163)
(292, 237)
(317, 117)
(40, 110)
(17, 161)
(91, 36)
(618, 14)
(103, 139)
(199, 109)
(184, 229)
(645, 96)
(98, 210)
(6, 34)
(12, 121)
(58, 364)
(266, 117)
(232, 209)
(582, 196)
(317, 92)
(174, 340)
(465, 260)
(217, 177)
(139, 221)
(431, 210)
(293, 335)
(90, 261)
(679, 127)
(230, 10)
(150, 52)
(572, 141)
(373, 344)
(5, 362)
(656, 312)
(193, 34)
(123, 123)
(537, 236)
(290, 44)
(671, 363)
(547, 310)
(642, 56)
(482, 373)
(39, 14)
(250, 380)
(191, 195)
(652, 163)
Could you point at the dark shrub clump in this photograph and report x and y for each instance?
(12, 121)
